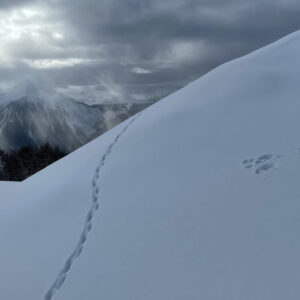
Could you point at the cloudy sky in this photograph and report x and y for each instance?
(132, 49)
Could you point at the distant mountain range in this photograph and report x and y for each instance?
(34, 118)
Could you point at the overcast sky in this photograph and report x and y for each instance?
(132, 49)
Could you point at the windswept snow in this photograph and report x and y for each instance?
(199, 198)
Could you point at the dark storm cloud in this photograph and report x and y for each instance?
(4, 4)
(136, 44)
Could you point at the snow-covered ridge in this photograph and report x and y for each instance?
(199, 199)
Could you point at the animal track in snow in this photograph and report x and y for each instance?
(262, 163)
(87, 227)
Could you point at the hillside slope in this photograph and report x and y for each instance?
(199, 198)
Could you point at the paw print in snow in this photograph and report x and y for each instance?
(262, 163)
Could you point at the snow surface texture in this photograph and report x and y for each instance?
(199, 198)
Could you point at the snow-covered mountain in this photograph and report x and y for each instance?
(35, 118)
(195, 198)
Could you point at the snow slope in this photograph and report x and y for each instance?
(199, 198)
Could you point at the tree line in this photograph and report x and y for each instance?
(19, 165)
